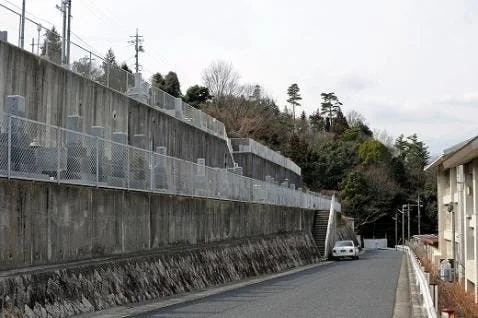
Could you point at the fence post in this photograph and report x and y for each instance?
(127, 81)
(20, 31)
(434, 291)
(108, 73)
(151, 170)
(127, 162)
(58, 154)
(9, 145)
(89, 68)
(97, 161)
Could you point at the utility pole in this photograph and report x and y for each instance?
(396, 229)
(68, 34)
(38, 38)
(63, 10)
(138, 47)
(408, 212)
(403, 224)
(418, 214)
(22, 30)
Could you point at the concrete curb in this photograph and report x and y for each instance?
(402, 306)
(132, 310)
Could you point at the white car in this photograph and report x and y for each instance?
(343, 249)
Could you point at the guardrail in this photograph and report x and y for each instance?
(106, 71)
(37, 151)
(422, 283)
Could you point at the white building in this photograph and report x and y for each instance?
(457, 196)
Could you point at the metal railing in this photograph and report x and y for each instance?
(105, 71)
(421, 282)
(38, 151)
(252, 146)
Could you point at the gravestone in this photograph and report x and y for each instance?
(119, 160)
(138, 163)
(21, 154)
(98, 131)
(160, 169)
(76, 153)
(200, 178)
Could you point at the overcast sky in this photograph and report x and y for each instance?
(408, 66)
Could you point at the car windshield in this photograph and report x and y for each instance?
(344, 243)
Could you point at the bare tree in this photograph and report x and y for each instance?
(221, 79)
(355, 118)
(384, 137)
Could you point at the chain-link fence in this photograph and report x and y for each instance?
(47, 43)
(37, 151)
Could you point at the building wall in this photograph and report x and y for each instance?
(45, 223)
(53, 93)
(458, 186)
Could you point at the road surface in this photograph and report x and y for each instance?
(363, 288)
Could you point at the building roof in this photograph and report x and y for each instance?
(457, 154)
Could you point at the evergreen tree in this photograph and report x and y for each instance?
(330, 108)
(294, 98)
(197, 95)
(303, 126)
(84, 67)
(171, 84)
(257, 93)
(317, 122)
(126, 68)
(51, 48)
(340, 123)
(157, 81)
(415, 156)
(114, 76)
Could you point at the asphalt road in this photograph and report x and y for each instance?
(355, 288)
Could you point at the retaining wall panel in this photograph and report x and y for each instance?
(52, 93)
(37, 207)
(45, 223)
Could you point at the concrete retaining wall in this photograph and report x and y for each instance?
(45, 223)
(79, 289)
(52, 93)
(256, 167)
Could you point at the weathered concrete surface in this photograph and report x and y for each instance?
(45, 223)
(81, 289)
(256, 167)
(52, 93)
